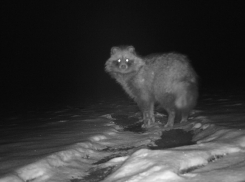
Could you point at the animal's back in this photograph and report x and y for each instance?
(172, 73)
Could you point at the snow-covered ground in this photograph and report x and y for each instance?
(97, 144)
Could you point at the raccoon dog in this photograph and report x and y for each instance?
(165, 79)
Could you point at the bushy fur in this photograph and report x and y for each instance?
(166, 79)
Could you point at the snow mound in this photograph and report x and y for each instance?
(119, 156)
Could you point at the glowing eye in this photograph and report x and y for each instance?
(127, 60)
(119, 60)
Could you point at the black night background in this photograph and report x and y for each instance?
(54, 51)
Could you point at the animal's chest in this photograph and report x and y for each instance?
(140, 83)
(143, 80)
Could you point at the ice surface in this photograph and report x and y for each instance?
(84, 145)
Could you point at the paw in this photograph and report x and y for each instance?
(168, 125)
(146, 125)
(183, 121)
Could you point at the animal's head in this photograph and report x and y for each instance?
(123, 60)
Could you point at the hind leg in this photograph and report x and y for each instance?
(171, 117)
(186, 111)
(186, 102)
(167, 102)
(147, 109)
(184, 117)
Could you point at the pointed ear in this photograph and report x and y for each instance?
(131, 48)
(114, 49)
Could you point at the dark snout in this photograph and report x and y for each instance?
(123, 66)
